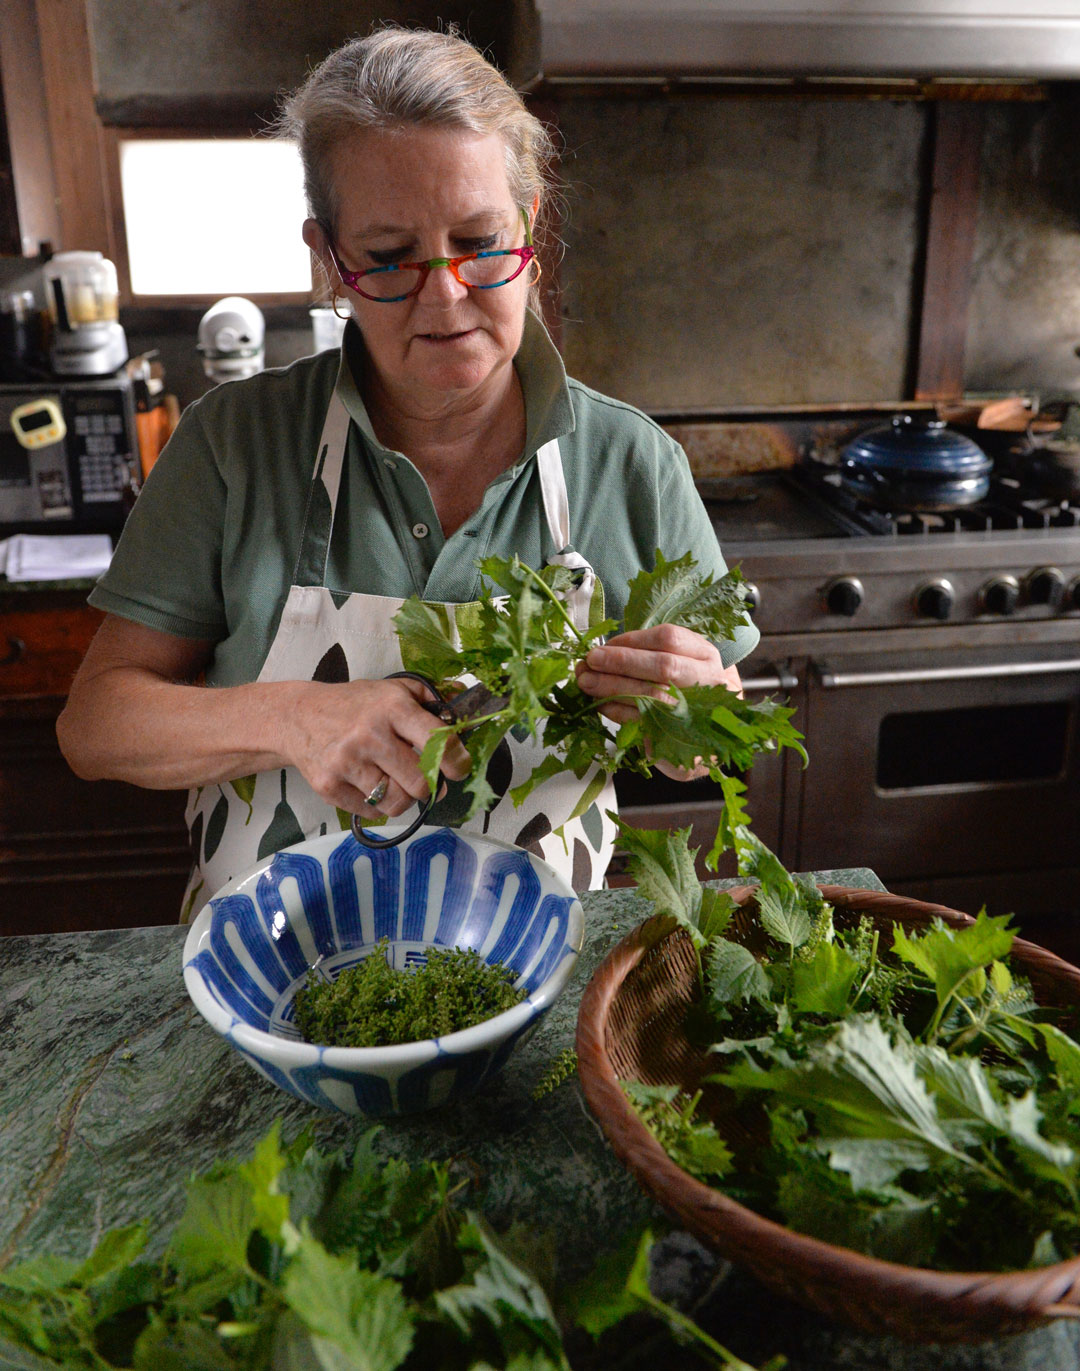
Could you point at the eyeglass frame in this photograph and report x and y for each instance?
(525, 255)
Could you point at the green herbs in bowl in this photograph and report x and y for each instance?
(372, 1004)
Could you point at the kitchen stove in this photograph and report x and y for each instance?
(819, 560)
(933, 660)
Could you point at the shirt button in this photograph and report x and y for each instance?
(420, 530)
(390, 463)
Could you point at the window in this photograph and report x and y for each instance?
(213, 216)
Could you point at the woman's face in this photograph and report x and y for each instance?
(410, 196)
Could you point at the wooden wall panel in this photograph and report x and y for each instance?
(949, 247)
(23, 80)
(74, 128)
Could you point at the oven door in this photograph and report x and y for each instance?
(955, 777)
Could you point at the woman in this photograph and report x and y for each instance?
(293, 512)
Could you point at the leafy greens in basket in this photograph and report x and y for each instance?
(524, 645)
(918, 1105)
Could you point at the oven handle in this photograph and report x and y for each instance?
(782, 679)
(833, 680)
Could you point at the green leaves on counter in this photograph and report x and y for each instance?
(912, 1087)
(295, 1259)
(523, 644)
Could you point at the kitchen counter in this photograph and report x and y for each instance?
(114, 1091)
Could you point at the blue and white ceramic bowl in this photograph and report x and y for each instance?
(330, 900)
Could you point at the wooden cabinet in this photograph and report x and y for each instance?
(73, 854)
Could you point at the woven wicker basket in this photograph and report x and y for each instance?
(630, 1028)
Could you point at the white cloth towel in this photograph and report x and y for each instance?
(55, 556)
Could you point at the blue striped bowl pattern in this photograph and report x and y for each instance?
(328, 901)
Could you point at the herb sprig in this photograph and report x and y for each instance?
(524, 645)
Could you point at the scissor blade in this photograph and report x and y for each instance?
(473, 702)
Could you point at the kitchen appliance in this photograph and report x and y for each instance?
(933, 658)
(22, 337)
(232, 336)
(83, 300)
(68, 455)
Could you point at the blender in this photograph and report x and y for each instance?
(82, 295)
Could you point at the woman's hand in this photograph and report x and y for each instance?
(134, 713)
(646, 660)
(345, 739)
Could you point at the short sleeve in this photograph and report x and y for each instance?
(166, 570)
(685, 525)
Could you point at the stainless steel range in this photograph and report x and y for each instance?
(933, 657)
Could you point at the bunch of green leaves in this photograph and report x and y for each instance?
(523, 645)
(670, 1115)
(920, 1106)
(373, 1004)
(298, 1259)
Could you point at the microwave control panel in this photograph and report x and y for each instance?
(67, 454)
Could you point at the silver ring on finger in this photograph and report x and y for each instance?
(378, 793)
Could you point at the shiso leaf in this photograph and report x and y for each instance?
(823, 984)
(609, 1294)
(215, 1227)
(500, 1293)
(949, 956)
(663, 866)
(359, 1313)
(674, 593)
(1062, 1051)
(734, 974)
(858, 1083)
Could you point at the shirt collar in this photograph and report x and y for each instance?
(549, 412)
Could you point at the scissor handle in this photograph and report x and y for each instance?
(435, 706)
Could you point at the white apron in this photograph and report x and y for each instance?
(236, 823)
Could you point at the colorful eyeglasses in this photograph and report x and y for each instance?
(477, 270)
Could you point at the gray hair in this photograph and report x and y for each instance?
(396, 78)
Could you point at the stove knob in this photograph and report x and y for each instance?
(935, 599)
(844, 595)
(752, 598)
(1000, 595)
(1071, 598)
(1045, 586)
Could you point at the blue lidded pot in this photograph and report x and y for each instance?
(916, 463)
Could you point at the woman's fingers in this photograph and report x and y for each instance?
(351, 736)
(417, 725)
(644, 661)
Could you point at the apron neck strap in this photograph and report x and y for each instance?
(553, 490)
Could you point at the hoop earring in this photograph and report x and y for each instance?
(333, 305)
(539, 271)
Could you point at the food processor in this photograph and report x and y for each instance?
(82, 295)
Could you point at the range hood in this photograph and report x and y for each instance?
(561, 41)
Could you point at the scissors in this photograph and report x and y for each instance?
(470, 703)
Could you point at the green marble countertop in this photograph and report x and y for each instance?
(113, 1091)
(32, 587)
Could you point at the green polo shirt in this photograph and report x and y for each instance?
(229, 519)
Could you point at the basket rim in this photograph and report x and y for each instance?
(1035, 1295)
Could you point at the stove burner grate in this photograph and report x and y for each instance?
(1007, 506)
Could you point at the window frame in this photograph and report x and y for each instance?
(112, 138)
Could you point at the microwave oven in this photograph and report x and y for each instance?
(68, 455)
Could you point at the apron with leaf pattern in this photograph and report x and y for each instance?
(331, 637)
